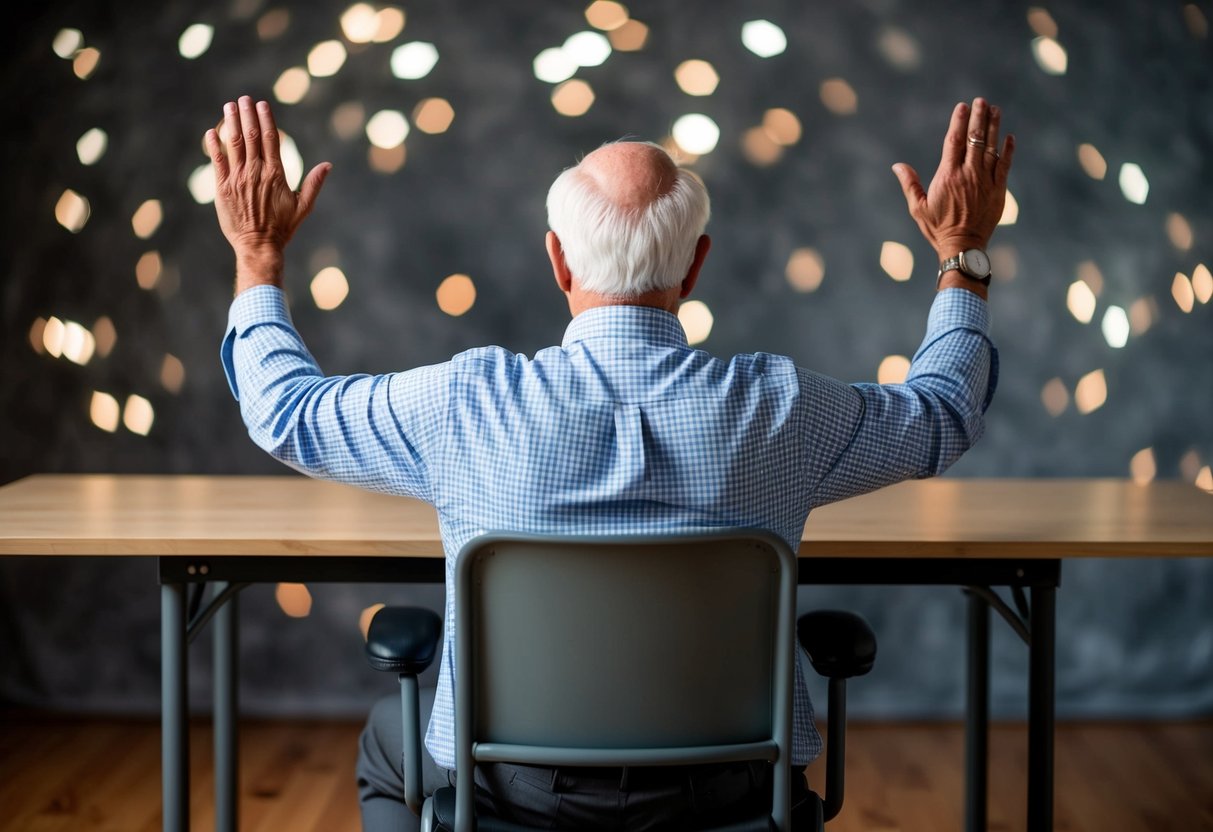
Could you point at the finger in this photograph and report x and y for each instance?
(954, 141)
(214, 149)
(911, 186)
(992, 125)
(310, 190)
(975, 140)
(250, 129)
(231, 123)
(1004, 161)
(269, 133)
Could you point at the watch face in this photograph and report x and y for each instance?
(975, 262)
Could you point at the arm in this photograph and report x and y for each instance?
(370, 431)
(894, 432)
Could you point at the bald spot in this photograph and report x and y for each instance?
(631, 175)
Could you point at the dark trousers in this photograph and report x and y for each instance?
(569, 798)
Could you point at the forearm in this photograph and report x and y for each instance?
(258, 267)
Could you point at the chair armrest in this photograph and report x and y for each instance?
(840, 644)
(403, 639)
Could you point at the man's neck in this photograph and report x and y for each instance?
(664, 299)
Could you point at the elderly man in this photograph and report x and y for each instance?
(622, 428)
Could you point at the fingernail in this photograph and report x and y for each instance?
(263, 106)
(229, 108)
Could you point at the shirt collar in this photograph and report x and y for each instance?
(636, 323)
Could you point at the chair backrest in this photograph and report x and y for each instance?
(671, 650)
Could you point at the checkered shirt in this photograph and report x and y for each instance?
(622, 429)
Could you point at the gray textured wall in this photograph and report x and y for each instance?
(1136, 637)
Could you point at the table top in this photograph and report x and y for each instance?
(107, 514)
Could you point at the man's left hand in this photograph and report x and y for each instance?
(258, 211)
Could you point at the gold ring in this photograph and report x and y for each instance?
(976, 142)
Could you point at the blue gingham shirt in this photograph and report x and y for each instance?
(621, 429)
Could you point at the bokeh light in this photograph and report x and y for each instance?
(897, 260)
(763, 38)
(359, 23)
(587, 48)
(805, 270)
(1092, 161)
(326, 58)
(172, 373)
(893, 369)
(1080, 300)
(606, 14)
(1055, 397)
(1179, 231)
(1133, 183)
(138, 415)
(195, 40)
(293, 599)
(67, 42)
(201, 184)
(84, 64)
(1091, 392)
(1115, 327)
(1182, 292)
(456, 294)
(554, 65)
(573, 98)
(72, 211)
(696, 133)
(292, 85)
(91, 146)
(839, 97)
(1143, 467)
(630, 37)
(433, 115)
(386, 159)
(329, 288)
(105, 335)
(348, 119)
(1050, 55)
(104, 411)
(1042, 22)
(387, 128)
(696, 77)
(390, 23)
(1202, 283)
(1010, 210)
(696, 320)
(148, 270)
(899, 48)
(365, 618)
(273, 24)
(782, 126)
(759, 148)
(147, 219)
(414, 60)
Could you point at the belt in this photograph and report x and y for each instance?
(628, 778)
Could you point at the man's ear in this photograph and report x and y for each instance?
(701, 252)
(560, 269)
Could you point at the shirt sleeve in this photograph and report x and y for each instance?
(867, 436)
(371, 431)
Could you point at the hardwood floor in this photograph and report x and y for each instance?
(61, 773)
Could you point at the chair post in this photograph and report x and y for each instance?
(836, 753)
(410, 713)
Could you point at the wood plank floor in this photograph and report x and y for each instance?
(71, 774)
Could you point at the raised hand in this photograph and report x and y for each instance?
(258, 212)
(961, 207)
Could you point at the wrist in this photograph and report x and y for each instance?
(258, 268)
(955, 279)
(952, 246)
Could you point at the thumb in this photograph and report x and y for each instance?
(312, 183)
(911, 186)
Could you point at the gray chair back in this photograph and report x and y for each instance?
(613, 651)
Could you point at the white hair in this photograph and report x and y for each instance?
(626, 252)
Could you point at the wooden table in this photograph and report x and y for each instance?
(232, 531)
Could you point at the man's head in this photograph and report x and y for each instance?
(627, 226)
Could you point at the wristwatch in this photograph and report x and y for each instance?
(973, 264)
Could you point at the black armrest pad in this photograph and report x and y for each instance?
(840, 644)
(403, 639)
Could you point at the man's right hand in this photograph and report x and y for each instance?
(962, 206)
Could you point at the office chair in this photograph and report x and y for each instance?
(616, 651)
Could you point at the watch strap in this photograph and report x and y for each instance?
(953, 264)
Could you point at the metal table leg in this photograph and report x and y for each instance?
(174, 736)
(227, 672)
(1040, 709)
(977, 715)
